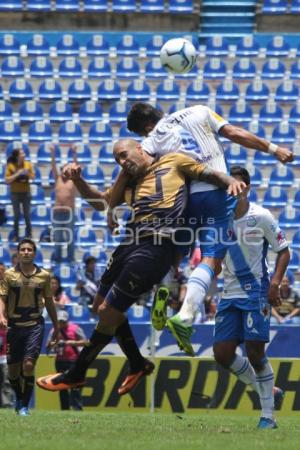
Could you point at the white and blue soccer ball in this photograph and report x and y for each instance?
(178, 55)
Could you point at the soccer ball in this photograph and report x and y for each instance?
(178, 55)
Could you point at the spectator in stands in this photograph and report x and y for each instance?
(71, 338)
(18, 175)
(87, 281)
(63, 215)
(60, 298)
(290, 301)
(177, 290)
(14, 259)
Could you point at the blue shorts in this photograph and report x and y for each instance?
(24, 343)
(236, 324)
(211, 214)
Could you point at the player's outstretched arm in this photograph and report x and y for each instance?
(220, 179)
(282, 261)
(250, 140)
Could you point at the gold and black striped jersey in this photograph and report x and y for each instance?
(24, 295)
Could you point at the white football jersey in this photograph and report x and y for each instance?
(245, 266)
(193, 131)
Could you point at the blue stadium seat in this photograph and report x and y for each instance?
(77, 313)
(294, 117)
(11, 5)
(167, 90)
(66, 274)
(6, 111)
(181, 6)
(70, 67)
(287, 91)
(69, 132)
(214, 68)
(240, 113)
(197, 91)
(270, 113)
(152, 6)
(128, 68)
(97, 46)
(281, 176)
(128, 45)
(278, 46)
(275, 197)
(256, 128)
(41, 67)
(37, 195)
(1, 92)
(93, 174)
(274, 6)
(4, 195)
(154, 45)
(99, 219)
(284, 133)
(60, 111)
(177, 106)
(39, 5)
(295, 244)
(124, 133)
(138, 90)
(37, 176)
(2, 174)
(30, 111)
(12, 66)
(193, 73)
(38, 45)
(20, 89)
(228, 90)
(95, 5)
(247, 46)
(264, 159)
(9, 131)
(106, 154)
(118, 112)
(5, 256)
(124, 6)
(44, 154)
(16, 145)
(295, 70)
(67, 45)
(235, 154)
(79, 90)
(100, 132)
(272, 69)
(109, 90)
(90, 111)
(83, 153)
(155, 70)
(40, 216)
(257, 91)
(294, 262)
(85, 237)
(67, 5)
(39, 131)
(80, 219)
(289, 218)
(255, 175)
(244, 69)
(99, 67)
(217, 46)
(138, 313)
(295, 7)
(50, 90)
(9, 45)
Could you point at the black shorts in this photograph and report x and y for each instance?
(24, 343)
(134, 269)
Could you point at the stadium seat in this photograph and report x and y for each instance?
(83, 153)
(177, 106)
(37, 195)
(67, 5)
(41, 67)
(294, 262)
(5, 256)
(99, 67)
(197, 91)
(100, 132)
(294, 117)
(9, 45)
(50, 90)
(214, 68)
(154, 45)
(255, 128)
(128, 68)
(289, 218)
(90, 111)
(244, 69)
(70, 67)
(95, 5)
(76, 312)
(181, 6)
(67, 45)
(295, 244)
(138, 90)
(295, 70)
(264, 159)
(37, 175)
(39, 5)
(97, 46)
(295, 7)
(38, 45)
(124, 133)
(275, 197)
(152, 6)
(118, 112)
(6, 111)
(255, 175)
(272, 69)
(155, 70)
(16, 145)
(39, 131)
(11, 5)
(99, 219)
(123, 6)
(240, 113)
(2, 174)
(30, 111)
(9, 131)
(66, 274)
(247, 46)
(284, 133)
(274, 6)
(93, 174)
(109, 90)
(40, 216)
(193, 73)
(12, 66)
(60, 111)
(236, 154)
(128, 45)
(270, 113)
(69, 132)
(106, 154)
(44, 154)
(138, 313)
(278, 47)
(4, 195)
(167, 90)
(79, 90)
(85, 237)
(20, 89)
(287, 92)
(281, 176)
(227, 91)
(217, 46)
(257, 91)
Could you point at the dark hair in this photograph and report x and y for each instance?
(60, 288)
(2, 264)
(27, 241)
(13, 157)
(141, 115)
(90, 259)
(240, 172)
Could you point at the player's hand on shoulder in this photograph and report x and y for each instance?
(72, 171)
(284, 155)
(236, 187)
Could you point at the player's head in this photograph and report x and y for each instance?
(142, 118)
(241, 174)
(130, 155)
(26, 250)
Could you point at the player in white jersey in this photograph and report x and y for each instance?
(196, 131)
(244, 310)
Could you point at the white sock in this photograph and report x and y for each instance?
(265, 383)
(242, 368)
(197, 288)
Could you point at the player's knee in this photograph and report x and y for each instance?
(28, 367)
(222, 356)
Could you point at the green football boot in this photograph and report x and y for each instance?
(159, 308)
(182, 333)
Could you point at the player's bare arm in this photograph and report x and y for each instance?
(234, 187)
(282, 261)
(3, 316)
(249, 140)
(53, 163)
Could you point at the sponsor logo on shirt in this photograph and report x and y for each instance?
(251, 221)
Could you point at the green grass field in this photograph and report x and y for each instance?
(88, 431)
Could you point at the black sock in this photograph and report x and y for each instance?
(88, 354)
(129, 346)
(16, 386)
(27, 391)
